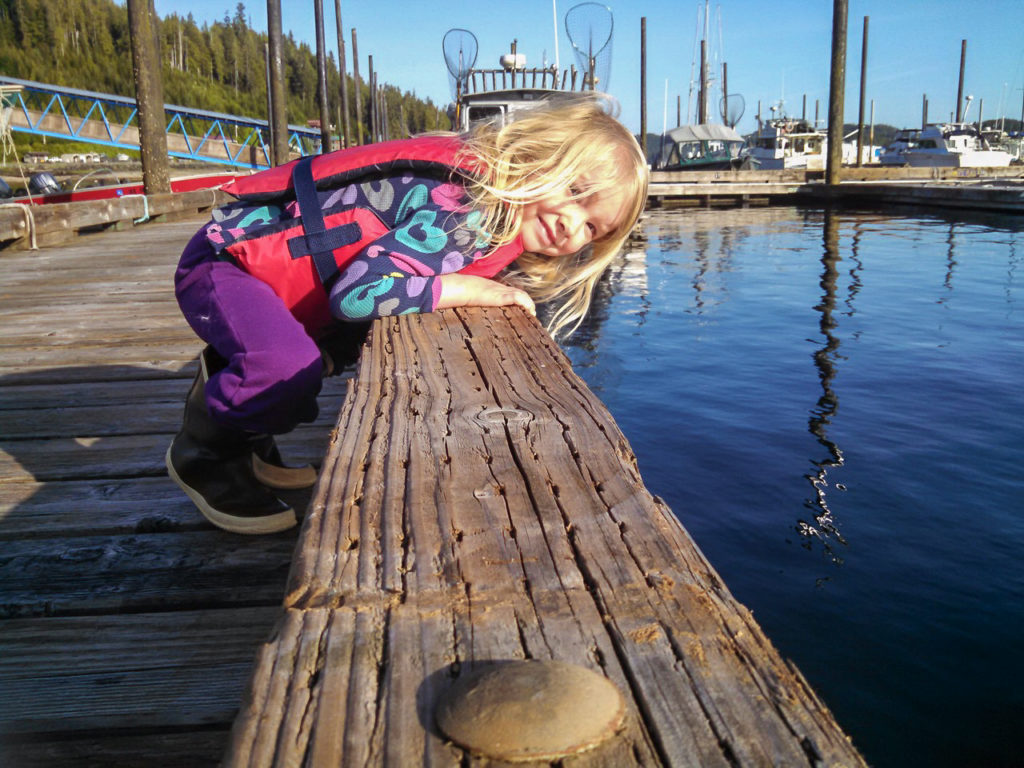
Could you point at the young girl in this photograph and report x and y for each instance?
(313, 250)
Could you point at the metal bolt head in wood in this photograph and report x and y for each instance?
(530, 710)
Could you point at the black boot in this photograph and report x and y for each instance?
(270, 469)
(342, 346)
(339, 349)
(213, 464)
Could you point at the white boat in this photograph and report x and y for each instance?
(868, 153)
(788, 143)
(502, 103)
(955, 145)
(502, 94)
(704, 147)
(895, 152)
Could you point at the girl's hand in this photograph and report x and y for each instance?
(472, 291)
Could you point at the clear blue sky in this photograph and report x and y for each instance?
(774, 50)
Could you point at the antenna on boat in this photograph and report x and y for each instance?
(589, 27)
(967, 106)
(554, 20)
(460, 49)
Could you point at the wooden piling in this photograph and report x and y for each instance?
(960, 82)
(871, 131)
(863, 90)
(725, 93)
(344, 126)
(269, 141)
(702, 94)
(359, 94)
(321, 77)
(837, 84)
(149, 96)
(278, 99)
(371, 80)
(643, 84)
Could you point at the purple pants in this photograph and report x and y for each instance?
(274, 369)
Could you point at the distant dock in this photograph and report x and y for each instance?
(990, 189)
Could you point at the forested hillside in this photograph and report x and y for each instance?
(219, 66)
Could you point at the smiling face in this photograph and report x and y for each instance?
(564, 222)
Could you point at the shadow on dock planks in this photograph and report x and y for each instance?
(128, 625)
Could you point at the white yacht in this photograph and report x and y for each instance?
(788, 143)
(895, 152)
(955, 145)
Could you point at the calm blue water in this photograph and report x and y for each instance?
(832, 404)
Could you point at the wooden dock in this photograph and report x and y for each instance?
(128, 625)
(989, 189)
(477, 504)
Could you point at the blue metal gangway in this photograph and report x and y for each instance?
(110, 120)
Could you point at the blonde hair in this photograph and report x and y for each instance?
(542, 152)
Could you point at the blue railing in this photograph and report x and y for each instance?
(106, 119)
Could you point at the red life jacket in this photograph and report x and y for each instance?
(300, 262)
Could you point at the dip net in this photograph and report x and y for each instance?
(460, 49)
(589, 27)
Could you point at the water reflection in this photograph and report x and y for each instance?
(824, 527)
(700, 258)
(947, 281)
(858, 266)
(1010, 270)
(626, 276)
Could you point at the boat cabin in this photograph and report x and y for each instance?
(508, 90)
(788, 143)
(895, 152)
(956, 145)
(503, 104)
(706, 147)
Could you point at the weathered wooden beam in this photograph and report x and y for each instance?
(479, 504)
(52, 224)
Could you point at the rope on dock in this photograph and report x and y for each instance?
(30, 222)
(145, 207)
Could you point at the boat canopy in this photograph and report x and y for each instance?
(703, 132)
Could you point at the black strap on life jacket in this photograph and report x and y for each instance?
(317, 241)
